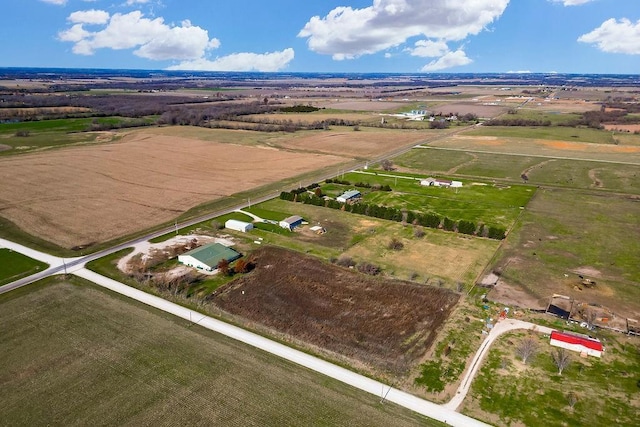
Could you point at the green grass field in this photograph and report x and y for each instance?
(555, 133)
(14, 266)
(73, 354)
(480, 202)
(605, 390)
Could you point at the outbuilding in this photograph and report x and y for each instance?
(349, 196)
(577, 342)
(207, 257)
(291, 222)
(234, 224)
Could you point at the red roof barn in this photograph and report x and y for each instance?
(575, 342)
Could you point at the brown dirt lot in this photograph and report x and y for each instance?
(81, 195)
(385, 324)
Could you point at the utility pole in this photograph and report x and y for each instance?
(176, 227)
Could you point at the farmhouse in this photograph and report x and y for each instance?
(234, 224)
(291, 222)
(349, 196)
(577, 342)
(207, 257)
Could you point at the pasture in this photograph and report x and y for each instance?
(565, 233)
(14, 266)
(74, 354)
(585, 174)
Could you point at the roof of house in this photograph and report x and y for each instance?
(585, 341)
(237, 222)
(212, 253)
(350, 194)
(292, 219)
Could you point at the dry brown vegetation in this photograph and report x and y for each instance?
(81, 195)
(385, 324)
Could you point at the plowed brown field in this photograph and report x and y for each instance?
(381, 323)
(81, 195)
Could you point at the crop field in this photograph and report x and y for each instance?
(362, 144)
(566, 233)
(14, 266)
(79, 196)
(589, 392)
(379, 323)
(77, 355)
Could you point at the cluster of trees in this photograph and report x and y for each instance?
(241, 266)
(299, 109)
(360, 184)
(430, 220)
(363, 267)
(517, 122)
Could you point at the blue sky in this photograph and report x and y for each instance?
(404, 36)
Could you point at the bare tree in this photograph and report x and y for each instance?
(527, 348)
(572, 399)
(561, 359)
(387, 165)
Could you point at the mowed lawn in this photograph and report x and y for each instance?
(14, 266)
(73, 354)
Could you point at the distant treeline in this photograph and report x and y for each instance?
(312, 196)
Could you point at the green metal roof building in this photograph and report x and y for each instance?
(207, 257)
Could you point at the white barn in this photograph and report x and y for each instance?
(234, 224)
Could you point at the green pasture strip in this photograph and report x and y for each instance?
(56, 132)
(554, 117)
(555, 133)
(605, 389)
(14, 266)
(99, 358)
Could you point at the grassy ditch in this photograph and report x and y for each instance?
(14, 266)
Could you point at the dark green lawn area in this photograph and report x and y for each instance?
(76, 355)
(14, 266)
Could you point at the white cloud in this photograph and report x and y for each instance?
(132, 2)
(152, 38)
(92, 16)
(429, 49)
(615, 36)
(448, 60)
(56, 2)
(267, 62)
(572, 2)
(519, 72)
(347, 33)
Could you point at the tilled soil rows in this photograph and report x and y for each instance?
(384, 323)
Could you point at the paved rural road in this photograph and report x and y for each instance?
(499, 328)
